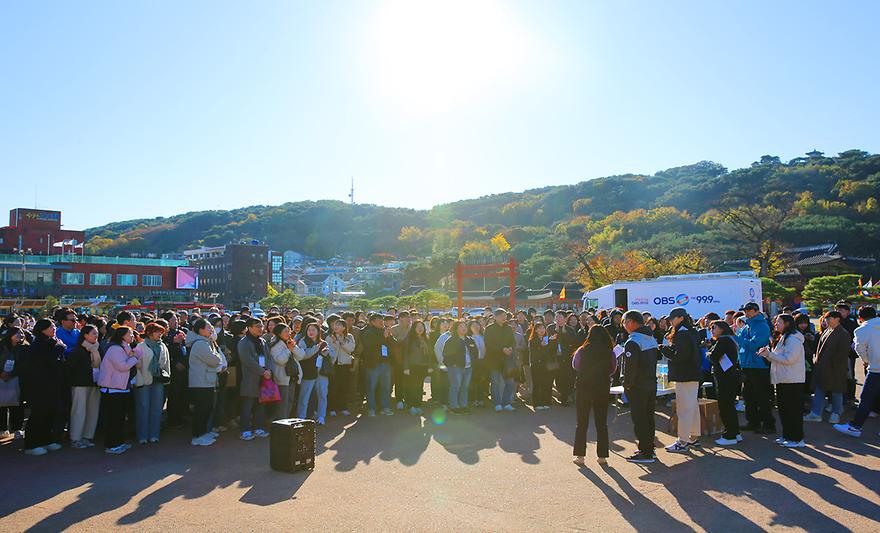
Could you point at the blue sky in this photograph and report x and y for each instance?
(117, 110)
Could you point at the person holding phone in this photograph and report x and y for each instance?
(685, 360)
(313, 354)
(787, 373)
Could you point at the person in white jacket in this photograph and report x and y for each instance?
(284, 352)
(205, 362)
(867, 345)
(788, 373)
(341, 344)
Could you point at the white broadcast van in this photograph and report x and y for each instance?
(697, 293)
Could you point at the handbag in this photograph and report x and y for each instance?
(269, 392)
(511, 369)
(326, 366)
(10, 393)
(231, 377)
(164, 377)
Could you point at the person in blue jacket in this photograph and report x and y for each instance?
(755, 371)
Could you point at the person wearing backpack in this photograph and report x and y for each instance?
(593, 362)
(685, 369)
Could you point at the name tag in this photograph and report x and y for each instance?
(558, 348)
(384, 351)
(262, 361)
(9, 365)
(318, 362)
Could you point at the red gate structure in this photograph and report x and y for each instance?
(489, 270)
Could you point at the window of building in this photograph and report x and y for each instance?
(126, 280)
(101, 279)
(151, 280)
(73, 278)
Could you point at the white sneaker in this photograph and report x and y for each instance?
(739, 438)
(214, 434)
(413, 411)
(116, 450)
(332, 413)
(247, 435)
(740, 406)
(726, 442)
(780, 440)
(792, 444)
(36, 451)
(579, 460)
(204, 440)
(54, 447)
(811, 417)
(371, 413)
(872, 414)
(400, 406)
(320, 421)
(834, 418)
(509, 407)
(498, 408)
(346, 412)
(19, 434)
(261, 433)
(847, 429)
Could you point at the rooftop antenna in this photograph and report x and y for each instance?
(351, 194)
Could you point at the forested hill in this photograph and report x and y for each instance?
(696, 213)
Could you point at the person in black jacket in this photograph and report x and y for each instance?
(685, 361)
(562, 339)
(540, 355)
(376, 358)
(725, 368)
(500, 346)
(640, 382)
(83, 363)
(175, 340)
(593, 369)
(44, 382)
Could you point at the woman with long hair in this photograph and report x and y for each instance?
(593, 364)
(149, 386)
(480, 376)
(540, 355)
(459, 354)
(342, 344)
(313, 355)
(114, 379)
(417, 355)
(787, 373)
(83, 363)
(723, 354)
(685, 369)
(12, 353)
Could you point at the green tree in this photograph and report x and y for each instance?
(428, 300)
(384, 302)
(775, 291)
(312, 302)
(287, 299)
(825, 291)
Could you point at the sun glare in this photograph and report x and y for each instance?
(429, 57)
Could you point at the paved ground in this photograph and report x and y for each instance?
(505, 472)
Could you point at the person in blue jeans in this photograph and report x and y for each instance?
(377, 340)
(867, 342)
(458, 354)
(315, 354)
(149, 388)
(500, 353)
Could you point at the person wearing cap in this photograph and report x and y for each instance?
(640, 382)
(685, 369)
(751, 337)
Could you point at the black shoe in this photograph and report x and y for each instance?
(641, 458)
(696, 444)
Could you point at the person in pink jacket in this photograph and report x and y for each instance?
(114, 380)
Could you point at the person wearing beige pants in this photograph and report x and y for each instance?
(84, 406)
(687, 409)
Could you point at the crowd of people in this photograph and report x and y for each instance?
(142, 373)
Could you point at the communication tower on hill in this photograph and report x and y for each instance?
(351, 194)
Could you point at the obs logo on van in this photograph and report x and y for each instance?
(681, 299)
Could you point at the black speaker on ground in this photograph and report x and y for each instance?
(292, 445)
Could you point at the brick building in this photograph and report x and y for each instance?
(238, 274)
(36, 230)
